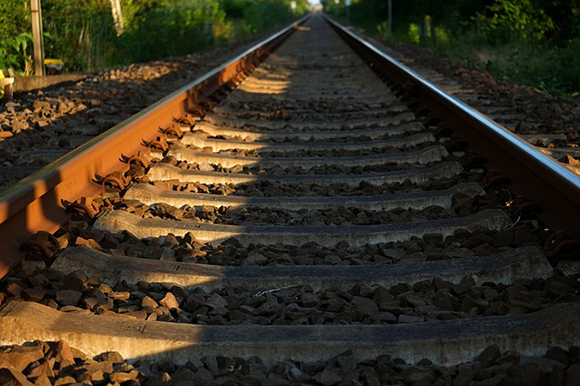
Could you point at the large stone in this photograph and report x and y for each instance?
(216, 301)
(327, 378)
(120, 377)
(62, 353)
(572, 375)
(364, 306)
(19, 358)
(489, 356)
(111, 356)
(12, 377)
(169, 301)
(43, 368)
(33, 294)
(148, 302)
(68, 297)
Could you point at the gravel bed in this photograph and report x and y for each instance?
(538, 112)
(318, 152)
(338, 127)
(46, 363)
(251, 215)
(463, 244)
(300, 116)
(274, 189)
(316, 170)
(55, 117)
(426, 301)
(350, 135)
(332, 106)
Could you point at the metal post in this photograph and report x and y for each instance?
(347, 4)
(390, 17)
(36, 13)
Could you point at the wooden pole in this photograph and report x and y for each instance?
(117, 13)
(36, 13)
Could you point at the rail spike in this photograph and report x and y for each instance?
(115, 179)
(42, 243)
(159, 143)
(142, 158)
(84, 206)
(174, 130)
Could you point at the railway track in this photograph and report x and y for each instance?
(309, 212)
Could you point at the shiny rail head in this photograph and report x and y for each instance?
(544, 180)
(507, 135)
(35, 204)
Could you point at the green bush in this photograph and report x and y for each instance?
(508, 19)
(82, 32)
(14, 35)
(176, 28)
(13, 52)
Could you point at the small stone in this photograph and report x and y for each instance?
(203, 375)
(66, 380)
(121, 295)
(68, 297)
(62, 353)
(255, 258)
(464, 377)
(489, 356)
(110, 356)
(309, 300)
(327, 378)
(30, 267)
(170, 241)
(545, 364)
(433, 238)
(43, 380)
(14, 289)
(12, 377)
(572, 375)
(167, 254)
(394, 253)
(558, 354)
(216, 301)
(420, 378)
(182, 376)
(90, 243)
(19, 357)
(414, 300)
(42, 368)
(148, 302)
(169, 301)
(410, 319)
(121, 377)
(526, 374)
(33, 294)
(364, 305)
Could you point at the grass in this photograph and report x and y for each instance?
(541, 65)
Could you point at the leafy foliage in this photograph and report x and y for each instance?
(13, 52)
(535, 42)
(514, 18)
(14, 36)
(82, 33)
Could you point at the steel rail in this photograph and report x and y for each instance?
(37, 202)
(538, 177)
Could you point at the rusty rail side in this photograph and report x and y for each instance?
(36, 203)
(531, 173)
